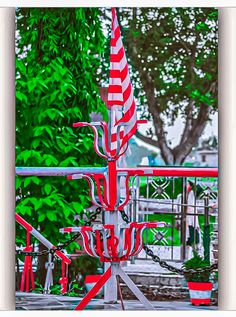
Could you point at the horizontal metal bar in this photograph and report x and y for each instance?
(58, 171)
(139, 171)
(172, 171)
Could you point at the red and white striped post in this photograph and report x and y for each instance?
(27, 274)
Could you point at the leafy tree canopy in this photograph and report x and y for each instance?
(173, 58)
(57, 56)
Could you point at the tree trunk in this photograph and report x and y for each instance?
(192, 132)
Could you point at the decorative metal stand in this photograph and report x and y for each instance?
(101, 241)
(111, 242)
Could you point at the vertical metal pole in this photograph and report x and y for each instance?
(183, 219)
(227, 176)
(134, 207)
(111, 217)
(227, 109)
(110, 288)
(172, 219)
(137, 194)
(7, 158)
(206, 233)
(146, 208)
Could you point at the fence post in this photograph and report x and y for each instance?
(184, 202)
(134, 206)
(206, 232)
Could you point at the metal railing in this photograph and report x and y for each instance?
(165, 198)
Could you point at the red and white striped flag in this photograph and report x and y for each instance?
(120, 93)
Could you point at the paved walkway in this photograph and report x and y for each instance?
(30, 301)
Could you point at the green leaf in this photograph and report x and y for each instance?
(18, 182)
(21, 96)
(27, 181)
(35, 143)
(51, 215)
(25, 210)
(67, 211)
(41, 217)
(47, 188)
(77, 207)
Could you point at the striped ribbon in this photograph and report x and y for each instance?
(120, 93)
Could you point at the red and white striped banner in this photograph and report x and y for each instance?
(120, 93)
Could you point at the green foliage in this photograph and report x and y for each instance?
(38, 288)
(194, 263)
(56, 289)
(81, 267)
(177, 47)
(87, 265)
(57, 57)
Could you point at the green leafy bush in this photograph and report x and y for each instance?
(194, 263)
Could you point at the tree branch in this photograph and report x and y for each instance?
(146, 139)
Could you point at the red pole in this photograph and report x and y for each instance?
(171, 171)
(112, 184)
(92, 293)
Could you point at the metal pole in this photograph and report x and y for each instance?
(58, 171)
(134, 207)
(110, 288)
(227, 108)
(111, 217)
(7, 158)
(206, 233)
(183, 219)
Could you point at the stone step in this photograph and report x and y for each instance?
(160, 280)
(157, 292)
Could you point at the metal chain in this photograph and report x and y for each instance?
(124, 216)
(167, 266)
(65, 244)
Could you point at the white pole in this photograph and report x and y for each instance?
(110, 288)
(7, 158)
(227, 154)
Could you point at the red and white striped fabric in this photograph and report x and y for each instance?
(120, 93)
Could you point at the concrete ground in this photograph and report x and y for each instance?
(31, 301)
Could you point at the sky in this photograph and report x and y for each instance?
(174, 133)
